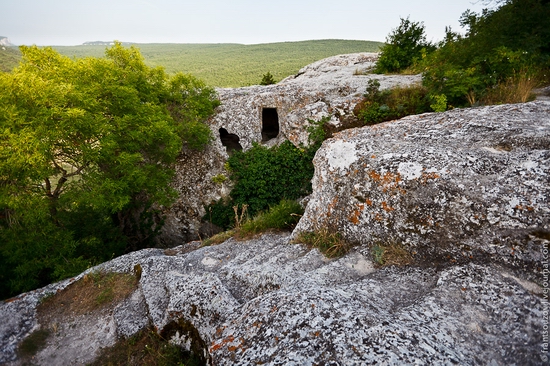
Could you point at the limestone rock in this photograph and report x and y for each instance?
(460, 186)
(271, 302)
(269, 115)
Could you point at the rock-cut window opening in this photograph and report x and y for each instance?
(230, 141)
(270, 124)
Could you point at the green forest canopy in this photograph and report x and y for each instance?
(232, 65)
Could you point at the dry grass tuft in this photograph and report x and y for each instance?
(517, 89)
(391, 255)
(93, 291)
(330, 243)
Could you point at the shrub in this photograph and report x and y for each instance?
(378, 106)
(267, 79)
(264, 176)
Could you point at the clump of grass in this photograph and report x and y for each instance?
(284, 215)
(330, 243)
(33, 343)
(391, 254)
(145, 348)
(517, 89)
(93, 291)
(218, 238)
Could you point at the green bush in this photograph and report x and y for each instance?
(267, 79)
(265, 176)
(378, 106)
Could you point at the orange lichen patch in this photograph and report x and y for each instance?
(374, 176)
(317, 333)
(386, 207)
(257, 324)
(388, 181)
(222, 343)
(373, 157)
(331, 206)
(427, 176)
(378, 217)
(354, 217)
(368, 202)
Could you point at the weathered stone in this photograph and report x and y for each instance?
(268, 301)
(330, 87)
(460, 186)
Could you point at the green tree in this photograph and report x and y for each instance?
(404, 46)
(267, 79)
(86, 155)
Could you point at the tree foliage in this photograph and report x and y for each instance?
(86, 154)
(267, 79)
(404, 46)
(509, 43)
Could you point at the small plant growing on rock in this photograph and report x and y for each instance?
(330, 243)
(390, 254)
(219, 179)
(284, 215)
(267, 79)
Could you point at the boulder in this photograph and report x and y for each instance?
(467, 185)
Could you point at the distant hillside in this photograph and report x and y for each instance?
(234, 65)
(9, 57)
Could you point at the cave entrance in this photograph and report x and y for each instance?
(230, 141)
(270, 124)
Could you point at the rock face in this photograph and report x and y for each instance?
(4, 41)
(466, 190)
(269, 115)
(465, 185)
(271, 302)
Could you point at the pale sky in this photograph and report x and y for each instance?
(73, 22)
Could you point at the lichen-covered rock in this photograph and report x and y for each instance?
(266, 301)
(269, 115)
(460, 186)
